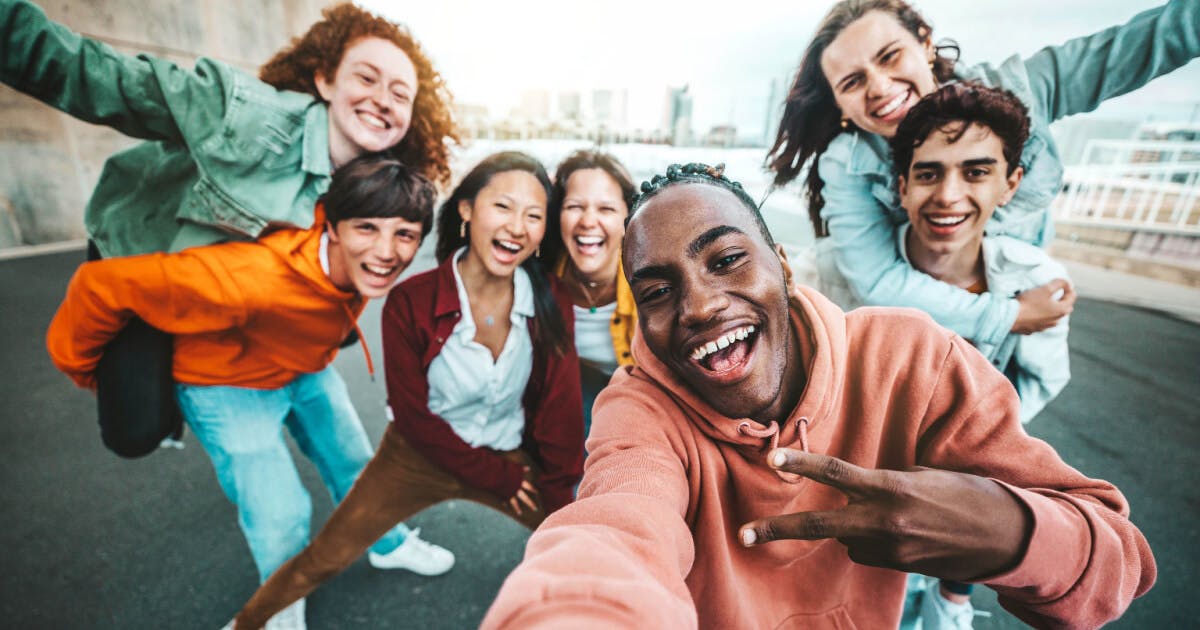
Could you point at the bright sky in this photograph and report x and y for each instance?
(490, 52)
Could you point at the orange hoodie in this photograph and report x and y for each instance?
(652, 540)
(244, 314)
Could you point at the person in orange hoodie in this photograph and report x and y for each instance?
(774, 462)
(256, 327)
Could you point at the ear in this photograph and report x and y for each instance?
(331, 231)
(930, 50)
(464, 210)
(902, 185)
(788, 276)
(1014, 182)
(324, 88)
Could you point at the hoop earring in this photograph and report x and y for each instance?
(462, 230)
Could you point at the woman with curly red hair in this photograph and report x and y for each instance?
(226, 156)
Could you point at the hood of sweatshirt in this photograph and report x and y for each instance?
(301, 250)
(821, 329)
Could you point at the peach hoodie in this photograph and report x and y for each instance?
(651, 541)
(243, 314)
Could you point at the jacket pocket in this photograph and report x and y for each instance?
(208, 205)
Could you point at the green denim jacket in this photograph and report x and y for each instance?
(227, 155)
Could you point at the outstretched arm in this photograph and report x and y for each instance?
(616, 557)
(1084, 72)
(140, 96)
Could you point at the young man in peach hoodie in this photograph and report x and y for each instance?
(858, 445)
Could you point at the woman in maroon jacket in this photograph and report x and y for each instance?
(482, 379)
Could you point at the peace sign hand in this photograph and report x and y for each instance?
(936, 522)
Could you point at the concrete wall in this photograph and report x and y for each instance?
(49, 162)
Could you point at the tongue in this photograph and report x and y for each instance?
(730, 357)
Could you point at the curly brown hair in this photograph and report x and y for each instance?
(320, 50)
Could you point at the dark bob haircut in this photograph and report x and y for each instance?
(374, 186)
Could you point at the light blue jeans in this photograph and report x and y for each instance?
(242, 431)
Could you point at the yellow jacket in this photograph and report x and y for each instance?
(624, 321)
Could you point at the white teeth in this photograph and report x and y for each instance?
(372, 120)
(892, 104)
(722, 342)
(512, 247)
(947, 220)
(383, 271)
(589, 240)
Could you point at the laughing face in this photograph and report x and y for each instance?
(593, 223)
(953, 188)
(506, 222)
(370, 99)
(878, 70)
(712, 300)
(367, 255)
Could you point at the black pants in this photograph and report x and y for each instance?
(135, 389)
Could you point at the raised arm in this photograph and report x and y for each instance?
(188, 292)
(1082, 73)
(616, 557)
(140, 96)
(408, 398)
(864, 246)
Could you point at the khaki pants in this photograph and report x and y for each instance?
(397, 483)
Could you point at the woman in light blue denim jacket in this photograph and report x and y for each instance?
(873, 59)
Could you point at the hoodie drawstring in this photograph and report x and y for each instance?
(772, 431)
(361, 340)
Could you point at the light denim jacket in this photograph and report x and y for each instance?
(227, 154)
(1040, 364)
(862, 207)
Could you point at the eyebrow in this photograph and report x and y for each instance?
(878, 54)
(650, 271)
(704, 240)
(377, 70)
(972, 162)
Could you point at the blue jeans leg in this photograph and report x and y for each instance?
(241, 429)
(327, 429)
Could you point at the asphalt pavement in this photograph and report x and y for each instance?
(94, 541)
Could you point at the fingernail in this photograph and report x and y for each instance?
(749, 537)
(778, 458)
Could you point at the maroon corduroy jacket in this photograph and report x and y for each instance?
(418, 317)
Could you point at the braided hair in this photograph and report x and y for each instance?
(698, 173)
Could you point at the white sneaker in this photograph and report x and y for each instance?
(939, 613)
(290, 618)
(416, 555)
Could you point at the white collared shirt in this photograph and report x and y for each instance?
(481, 398)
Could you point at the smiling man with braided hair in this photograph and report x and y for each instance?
(858, 445)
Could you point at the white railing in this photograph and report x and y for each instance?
(1134, 185)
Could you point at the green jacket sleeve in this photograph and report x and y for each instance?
(1080, 74)
(140, 96)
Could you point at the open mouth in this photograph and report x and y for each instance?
(945, 224)
(379, 275)
(589, 245)
(373, 121)
(506, 251)
(895, 108)
(726, 353)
